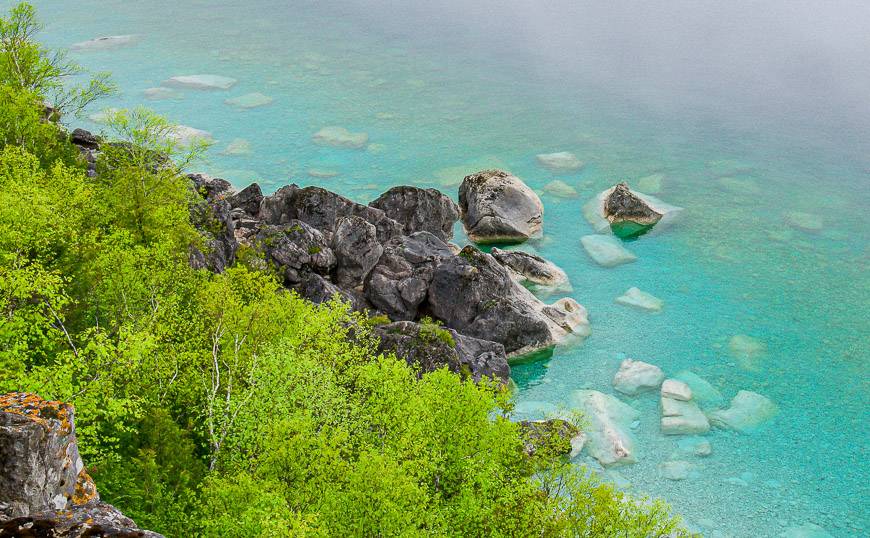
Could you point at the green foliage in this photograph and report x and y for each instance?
(224, 405)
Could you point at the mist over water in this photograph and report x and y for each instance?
(751, 115)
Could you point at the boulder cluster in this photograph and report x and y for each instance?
(45, 490)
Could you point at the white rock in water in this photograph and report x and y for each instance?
(160, 93)
(321, 173)
(577, 444)
(607, 438)
(695, 445)
(238, 146)
(606, 250)
(804, 221)
(104, 43)
(651, 184)
(339, 137)
(640, 299)
(562, 161)
(749, 410)
(702, 391)
(675, 470)
(560, 189)
(807, 530)
(202, 82)
(740, 185)
(682, 418)
(635, 377)
(573, 315)
(748, 351)
(186, 136)
(676, 389)
(250, 100)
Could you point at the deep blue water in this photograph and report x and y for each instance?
(448, 91)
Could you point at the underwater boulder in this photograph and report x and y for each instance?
(561, 161)
(606, 250)
(682, 417)
(636, 377)
(560, 189)
(104, 43)
(628, 213)
(497, 207)
(250, 100)
(702, 391)
(201, 82)
(676, 389)
(641, 300)
(420, 210)
(339, 137)
(748, 411)
(608, 437)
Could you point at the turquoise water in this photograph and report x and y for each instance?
(442, 96)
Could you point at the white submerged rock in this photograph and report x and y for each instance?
(339, 137)
(237, 146)
(606, 250)
(104, 43)
(161, 93)
(748, 412)
(651, 183)
(807, 222)
(560, 189)
(682, 418)
(697, 446)
(703, 392)
(807, 530)
(608, 438)
(676, 389)
(676, 470)
(561, 161)
(749, 351)
(640, 299)
(250, 100)
(635, 377)
(201, 82)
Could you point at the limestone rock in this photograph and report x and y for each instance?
(560, 189)
(201, 82)
(703, 392)
(608, 437)
(748, 412)
(250, 100)
(420, 210)
(318, 289)
(339, 137)
(237, 146)
(497, 207)
(640, 299)
(651, 183)
(676, 390)
(296, 249)
(212, 218)
(635, 377)
(606, 250)
(80, 521)
(161, 94)
(561, 161)
(357, 250)
(247, 199)
(682, 418)
(186, 136)
(623, 211)
(807, 222)
(104, 43)
(675, 470)
(430, 347)
(399, 282)
(532, 268)
(749, 351)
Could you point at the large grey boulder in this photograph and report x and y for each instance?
(247, 199)
(318, 289)
(213, 220)
(322, 209)
(532, 268)
(626, 213)
(399, 282)
(420, 210)
(296, 249)
(475, 295)
(357, 250)
(430, 347)
(497, 207)
(44, 489)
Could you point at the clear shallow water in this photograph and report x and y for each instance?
(440, 100)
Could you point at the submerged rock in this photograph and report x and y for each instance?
(497, 207)
(44, 488)
(560, 189)
(702, 391)
(185, 135)
(608, 437)
(676, 470)
(532, 268)
(635, 377)
(339, 137)
(250, 100)
(651, 183)
(160, 94)
(697, 446)
(562, 161)
(201, 82)
(627, 213)
(430, 347)
(399, 282)
(640, 299)
(606, 250)
(804, 221)
(237, 146)
(748, 412)
(420, 210)
(807, 530)
(104, 43)
(748, 351)
(677, 390)
(682, 417)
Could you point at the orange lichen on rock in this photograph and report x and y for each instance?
(38, 409)
(86, 490)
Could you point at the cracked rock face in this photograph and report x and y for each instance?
(420, 210)
(44, 488)
(627, 213)
(497, 207)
